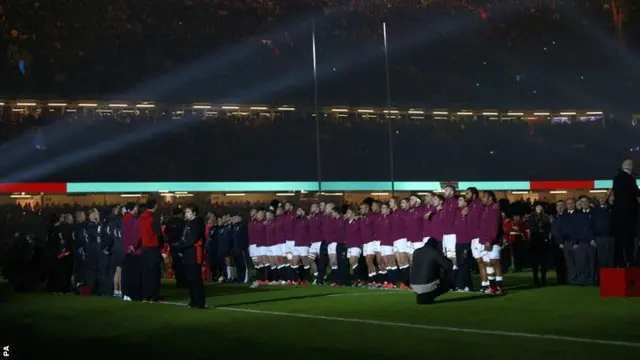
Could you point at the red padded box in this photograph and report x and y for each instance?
(620, 282)
(84, 290)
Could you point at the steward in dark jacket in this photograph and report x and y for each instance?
(190, 248)
(540, 238)
(63, 257)
(240, 249)
(80, 239)
(94, 251)
(174, 227)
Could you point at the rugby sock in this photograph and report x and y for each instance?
(406, 274)
(294, 273)
(291, 273)
(306, 273)
(286, 273)
(333, 276)
(258, 273)
(392, 276)
(372, 276)
(381, 277)
(356, 272)
(229, 273)
(499, 280)
(271, 273)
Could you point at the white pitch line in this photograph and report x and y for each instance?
(426, 327)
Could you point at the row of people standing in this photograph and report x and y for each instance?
(121, 255)
(583, 239)
(84, 254)
(143, 240)
(225, 248)
(283, 240)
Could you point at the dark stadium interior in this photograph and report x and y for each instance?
(489, 53)
(194, 146)
(547, 55)
(242, 179)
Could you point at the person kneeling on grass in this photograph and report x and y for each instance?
(189, 248)
(431, 273)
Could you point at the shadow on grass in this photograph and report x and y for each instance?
(171, 292)
(525, 287)
(514, 289)
(467, 298)
(266, 301)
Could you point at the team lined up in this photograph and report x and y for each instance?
(284, 240)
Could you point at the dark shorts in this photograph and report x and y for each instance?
(117, 257)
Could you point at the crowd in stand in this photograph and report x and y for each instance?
(524, 54)
(283, 148)
(500, 53)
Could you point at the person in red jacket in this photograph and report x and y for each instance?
(151, 255)
(518, 241)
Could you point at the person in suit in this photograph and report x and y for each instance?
(624, 213)
(431, 273)
(602, 231)
(560, 231)
(582, 236)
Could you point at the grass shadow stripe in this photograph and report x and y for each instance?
(439, 328)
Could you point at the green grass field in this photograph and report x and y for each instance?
(327, 323)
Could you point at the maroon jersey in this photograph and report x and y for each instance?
(428, 224)
(383, 230)
(279, 224)
(288, 225)
(327, 228)
(437, 219)
(270, 231)
(374, 216)
(338, 230)
(491, 222)
(414, 219)
(353, 233)
(449, 218)
(476, 208)
(461, 228)
(301, 232)
(398, 224)
(367, 228)
(315, 227)
(257, 233)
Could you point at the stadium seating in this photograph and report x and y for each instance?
(492, 54)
